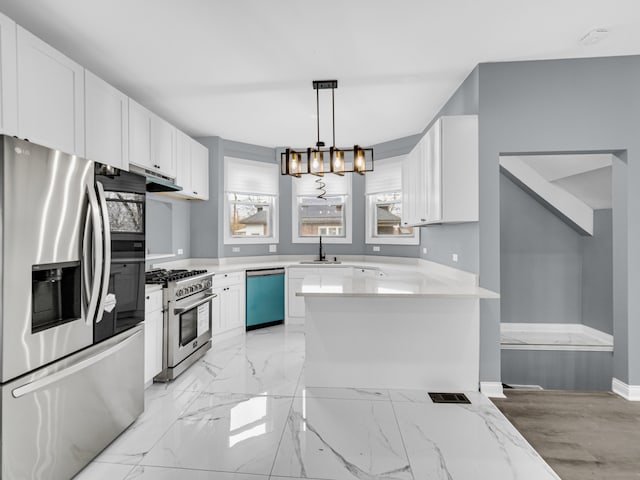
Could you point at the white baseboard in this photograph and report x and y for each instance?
(492, 389)
(628, 392)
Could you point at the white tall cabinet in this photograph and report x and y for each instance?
(440, 175)
(50, 95)
(106, 123)
(8, 79)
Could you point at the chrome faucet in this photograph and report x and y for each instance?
(321, 255)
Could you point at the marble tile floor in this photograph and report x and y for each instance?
(244, 413)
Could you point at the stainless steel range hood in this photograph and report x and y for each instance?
(156, 182)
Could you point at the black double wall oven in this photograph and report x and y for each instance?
(124, 194)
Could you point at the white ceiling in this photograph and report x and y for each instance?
(586, 177)
(242, 69)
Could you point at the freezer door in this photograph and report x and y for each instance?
(44, 202)
(55, 421)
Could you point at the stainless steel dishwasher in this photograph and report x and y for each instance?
(265, 297)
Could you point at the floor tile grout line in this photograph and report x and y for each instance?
(404, 446)
(284, 429)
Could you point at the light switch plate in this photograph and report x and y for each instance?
(235, 249)
(273, 248)
(424, 250)
(180, 251)
(376, 248)
(454, 257)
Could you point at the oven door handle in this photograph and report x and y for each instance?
(208, 298)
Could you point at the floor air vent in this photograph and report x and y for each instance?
(438, 397)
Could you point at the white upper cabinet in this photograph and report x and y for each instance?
(192, 168)
(8, 79)
(183, 164)
(139, 135)
(152, 141)
(163, 146)
(440, 175)
(50, 96)
(199, 170)
(106, 123)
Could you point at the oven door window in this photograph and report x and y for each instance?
(126, 212)
(188, 326)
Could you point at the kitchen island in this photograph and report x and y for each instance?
(401, 330)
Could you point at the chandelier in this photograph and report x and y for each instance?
(319, 160)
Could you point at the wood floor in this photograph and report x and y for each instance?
(581, 435)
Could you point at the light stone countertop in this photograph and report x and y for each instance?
(393, 277)
(395, 284)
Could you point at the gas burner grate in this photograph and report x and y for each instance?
(446, 397)
(162, 276)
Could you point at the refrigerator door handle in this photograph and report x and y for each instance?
(76, 367)
(106, 257)
(92, 256)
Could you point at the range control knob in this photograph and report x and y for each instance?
(179, 293)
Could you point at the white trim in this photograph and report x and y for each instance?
(573, 208)
(492, 389)
(628, 392)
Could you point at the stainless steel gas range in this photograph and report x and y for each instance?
(187, 297)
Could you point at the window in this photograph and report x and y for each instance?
(250, 215)
(250, 201)
(316, 214)
(384, 205)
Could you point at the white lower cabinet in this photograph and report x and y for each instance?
(229, 305)
(153, 324)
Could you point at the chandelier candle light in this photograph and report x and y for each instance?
(313, 160)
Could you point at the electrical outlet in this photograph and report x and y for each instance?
(454, 257)
(180, 251)
(273, 248)
(376, 248)
(235, 249)
(424, 250)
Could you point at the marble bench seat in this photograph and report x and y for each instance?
(554, 336)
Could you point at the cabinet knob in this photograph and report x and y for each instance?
(195, 193)
(147, 297)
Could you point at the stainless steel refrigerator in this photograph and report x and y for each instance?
(64, 396)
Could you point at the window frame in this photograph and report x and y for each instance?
(348, 209)
(228, 239)
(231, 240)
(370, 224)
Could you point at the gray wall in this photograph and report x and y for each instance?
(597, 273)
(564, 106)
(541, 261)
(441, 241)
(168, 226)
(206, 233)
(204, 214)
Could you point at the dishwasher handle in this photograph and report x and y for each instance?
(265, 272)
